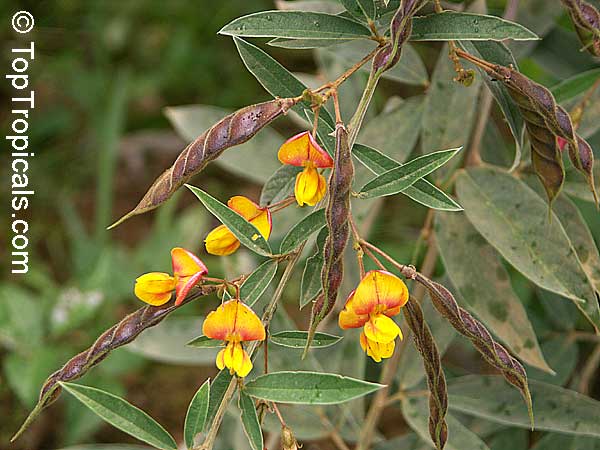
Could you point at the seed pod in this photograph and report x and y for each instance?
(116, 336)
(586, 20)
(337, 216)
(495, 354)
(545, 122)
(400, 29)
(436, 381)
(232, 130)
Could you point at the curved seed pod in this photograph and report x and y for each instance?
(337, 215)
(116, 336)
(232, 130)
(400, 30)
(586, 20)
(545, 121)
(495, 354)
(436, 381)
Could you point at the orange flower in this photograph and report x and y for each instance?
(156, 288)
(222, 242)
(303, 150)
(234, 323)
(378, 297)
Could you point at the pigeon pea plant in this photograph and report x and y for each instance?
(548, 242)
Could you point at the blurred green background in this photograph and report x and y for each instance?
(103, 73)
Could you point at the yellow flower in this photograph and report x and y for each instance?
(234, 323)
(378, 297)
(156, 288)
(303, 150)
(222, 242)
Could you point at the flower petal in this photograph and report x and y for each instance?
(300, 149)
(233, 321)
(186, 264)
(263, 223)
(184, 285)
(237, 360)
(154, 288)
(381, 328)
(221, 359)
(348, 317)
(379, 291)
(245, 207)
(376, 350)
(310, 186)
(221, 241)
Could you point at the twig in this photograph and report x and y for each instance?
(589, 370)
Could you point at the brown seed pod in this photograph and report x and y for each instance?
(116, 336)
(586, 20)
(545, 121)
(337, 216)
(436, 381)
(494, 353)
(232, 130)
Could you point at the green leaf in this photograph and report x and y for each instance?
(459, 26)
(106, 447)
(280, 185)
(556, 408)
(295, 24)
(449, 110)
(252, 160)
(195, 418)
(309, 388)
(122, 415)
(218, 387)
(303, 230)
(395, 133)
(575, 85)
(250, 421)
(514, 219)
(297, 339)
(166, 343)
(396, 180)
(360, 9)
(489, 295)
(416, 411)
(311, 286)
(422, 191)
(247, 233)
(258, 281)
(305, 44)
(498, 53)
(204, 342)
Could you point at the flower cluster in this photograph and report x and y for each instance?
(378, 297)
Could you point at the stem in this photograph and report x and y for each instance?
(357, 120)
(282, 204)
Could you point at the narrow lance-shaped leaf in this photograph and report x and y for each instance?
(280, 185)
(218, 387)
(450, 25)
(255, 285)
(295, 24)
(575, 85)
(422, 191)
(122, 415)
(308, 388)
(360, 9)
(310, 286)
(298, 339)
(250, 422)
(247, 233)
(232, 130)
(301, 231)
(513, 219)
(489, 295)
(204, 342)
(398, 179)
(116, 336)
(195, 419)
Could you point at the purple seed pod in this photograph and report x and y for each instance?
(586, 20)
(116, 336)
(337, 216)
(494, 353)
(436, 381)
(232, 130)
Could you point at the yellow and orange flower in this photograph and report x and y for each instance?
(223, 242)
(234, 323)
(156, 288)
(378, 297)
(303, 150)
